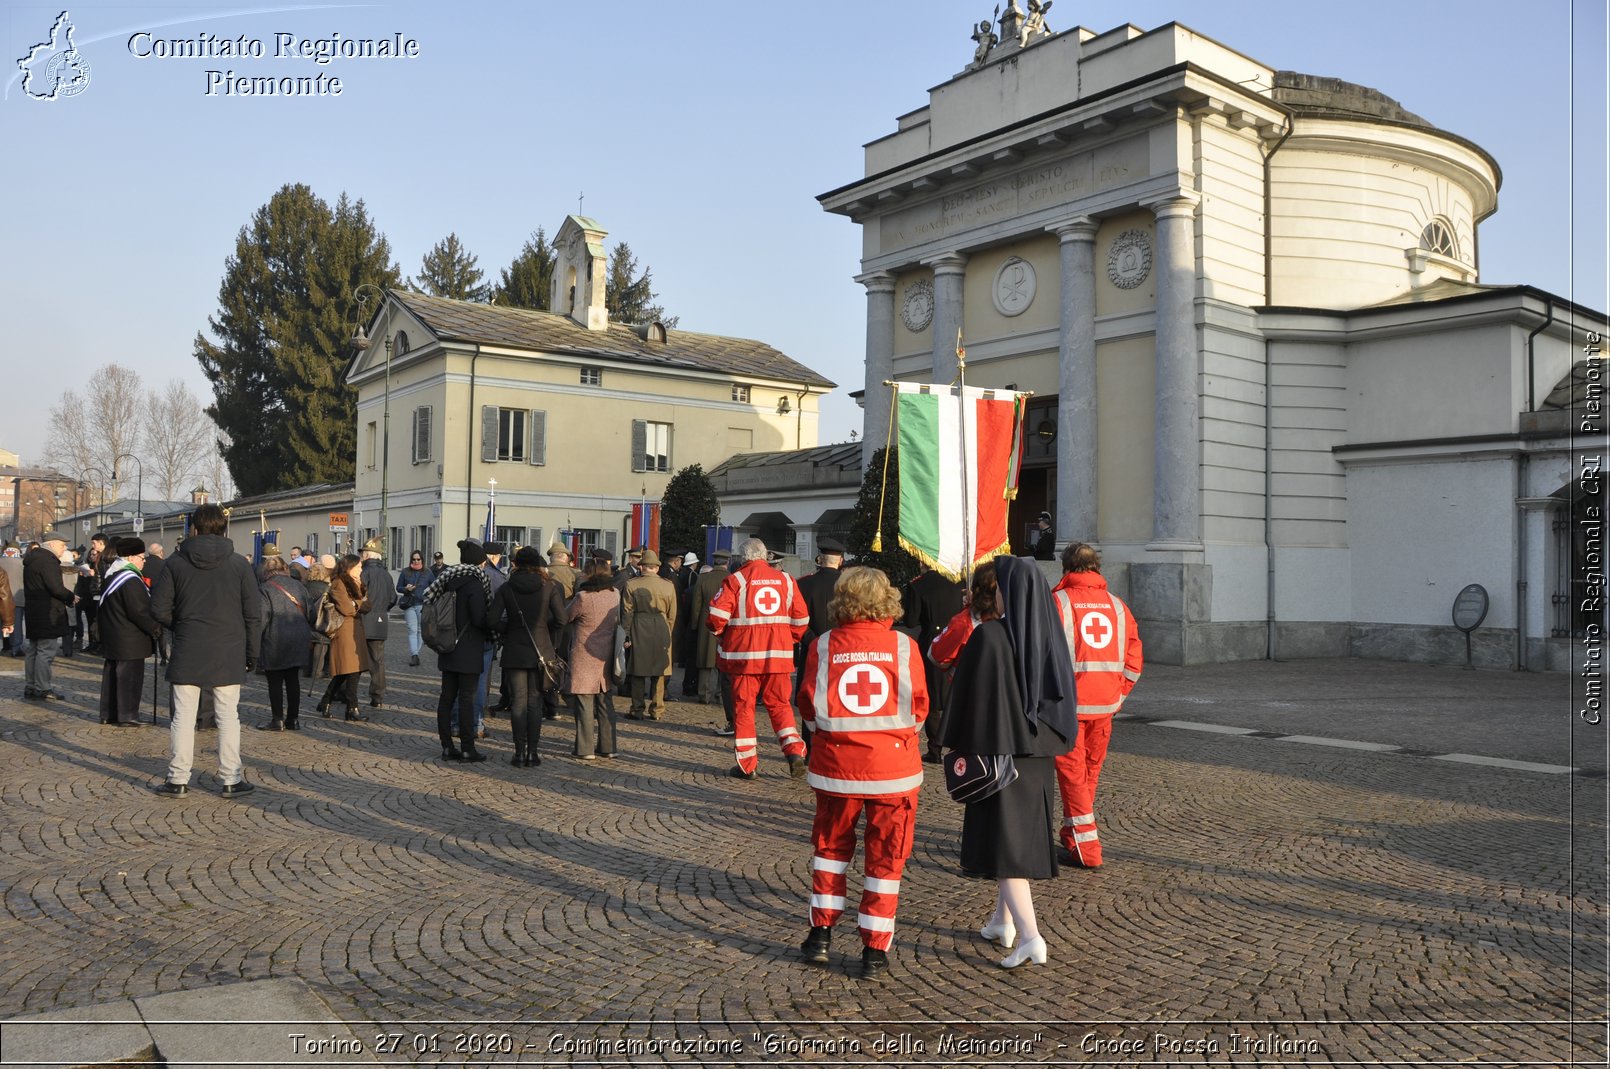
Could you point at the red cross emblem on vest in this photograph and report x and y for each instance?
(1096, 630)
(863, 690)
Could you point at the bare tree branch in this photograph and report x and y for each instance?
(92, 429)
(177, 438)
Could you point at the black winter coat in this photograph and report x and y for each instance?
(47, 599)
(128, 630)
(539, 601)
(208, 598)
(287, 637)
(382, 596)
(471, 621)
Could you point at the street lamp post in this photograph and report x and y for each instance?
(139, 489)
(101, 503)
(360, 341)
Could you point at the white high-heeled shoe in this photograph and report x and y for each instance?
(1004, 933)
(1033, 950)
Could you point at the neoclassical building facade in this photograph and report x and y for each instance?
(1268, 380)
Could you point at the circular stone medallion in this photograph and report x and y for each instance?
(1014, 287)
(1129, 260)
(917, 310)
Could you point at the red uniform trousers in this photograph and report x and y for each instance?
(1077, 773)
(890, 821)
(774, 691)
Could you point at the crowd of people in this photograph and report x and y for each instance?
(861, 683)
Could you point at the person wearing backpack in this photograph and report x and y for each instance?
(464, 586)
(529, 614)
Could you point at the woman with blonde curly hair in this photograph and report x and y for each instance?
(863, 695)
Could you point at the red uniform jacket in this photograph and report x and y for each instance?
(759, 614)
(947, 645)
(1102, 640)
(863, 695)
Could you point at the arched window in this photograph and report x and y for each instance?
(401, 345)
(1437, 237)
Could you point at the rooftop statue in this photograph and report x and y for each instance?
(985, 36)
(1034, 26)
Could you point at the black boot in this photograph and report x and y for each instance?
(275, 724)
(451, 753)
(354, 715)
(518, 760)
(815, 946)
(472, 755)
(874, 963)
(324, 707)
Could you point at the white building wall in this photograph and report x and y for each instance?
(1420, 532)
(1347, 200)
(1308, 392)
(1232, 416)
(1448, 383)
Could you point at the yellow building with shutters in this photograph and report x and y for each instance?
(565, 419)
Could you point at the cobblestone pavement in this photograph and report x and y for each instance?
(1264, 901)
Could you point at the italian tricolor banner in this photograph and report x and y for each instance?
(959, 456)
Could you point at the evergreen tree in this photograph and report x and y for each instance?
(897, 564)
(450, 270)
(277, 367)
(628, 296)
(528, 280)
(689, 504)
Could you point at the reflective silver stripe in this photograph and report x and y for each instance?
(753, 655)
(823, 711)
(827, 864)
(786, 734)
(1098, 666)
(1070, 624)
(827, 901)
(767, 620)
(723, 613)
(1067, 822)
(744, 742)
(902, 660)
(864, 723)
(874, 924)
(1085, 837)
(865, 786)
(1101, 710)
(1082, 818)
(882, 887)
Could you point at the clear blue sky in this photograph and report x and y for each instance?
(700, 134)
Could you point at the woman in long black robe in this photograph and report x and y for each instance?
(1013, 694)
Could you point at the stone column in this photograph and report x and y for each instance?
(1177, 479)
(950, 271)
(1076, 383)
(879, 361)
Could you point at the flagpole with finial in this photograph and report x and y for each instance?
(969, 504)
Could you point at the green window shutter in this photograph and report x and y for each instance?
(422, 430)
(489, 433)
(538, 454)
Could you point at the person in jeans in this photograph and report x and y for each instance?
(411, 584)
(46, 604)
(208, 597)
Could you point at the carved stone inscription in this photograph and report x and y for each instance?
(999, 198)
